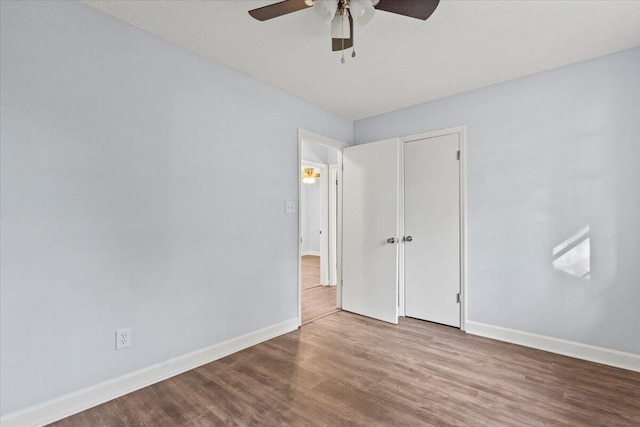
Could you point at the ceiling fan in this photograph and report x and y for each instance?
(309, 176)
(344, 13)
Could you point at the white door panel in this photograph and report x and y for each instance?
(370, 217)
(432, 219)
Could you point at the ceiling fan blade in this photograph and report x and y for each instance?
(278, 9)
(420, 9)
(336, 44)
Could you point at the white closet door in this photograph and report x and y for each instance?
(432, 219)
(370, 219)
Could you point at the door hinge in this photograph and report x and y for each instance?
(458, 297)
(336, 182)
(458, 155)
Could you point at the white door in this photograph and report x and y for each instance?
(432, 220)
(370, 220)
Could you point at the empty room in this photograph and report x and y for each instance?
(319, 212)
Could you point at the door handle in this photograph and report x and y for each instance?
(391, 240)
(407, 239)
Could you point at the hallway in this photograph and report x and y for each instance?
(317, 300)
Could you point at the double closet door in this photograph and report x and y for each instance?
(401, 229)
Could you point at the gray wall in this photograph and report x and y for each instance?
(549, 155)
(128, 200)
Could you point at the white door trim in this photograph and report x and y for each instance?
(316, 138)
(464, 294)
(401, 230)
(311, 137)
(332, 236)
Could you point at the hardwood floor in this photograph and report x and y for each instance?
(346, 369)
(317, 300)
(310, 266)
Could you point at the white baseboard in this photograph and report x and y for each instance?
(81, 400)
(314, 253)
(618, 359)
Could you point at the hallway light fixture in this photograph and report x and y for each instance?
(308, 176)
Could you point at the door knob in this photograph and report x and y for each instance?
(408, 239)
(391, 240)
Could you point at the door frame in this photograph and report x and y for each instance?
(334, 178)
(461, 131)
(314, 138)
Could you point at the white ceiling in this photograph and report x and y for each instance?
(400, 61)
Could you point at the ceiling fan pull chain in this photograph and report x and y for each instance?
(353, 45)
(342, 27)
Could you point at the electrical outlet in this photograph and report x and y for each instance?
(123, 338)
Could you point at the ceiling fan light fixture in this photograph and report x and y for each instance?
(340, 28)
(362, 11)
(356, 8)
(325, 9)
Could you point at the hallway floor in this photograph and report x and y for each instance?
(317, 300)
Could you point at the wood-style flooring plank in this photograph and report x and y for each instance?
(140, 409)
(310, 266)
(345, 369)
(318, 302)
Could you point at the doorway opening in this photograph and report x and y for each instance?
(320, 166)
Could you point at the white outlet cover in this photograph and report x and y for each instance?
(123, 338)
